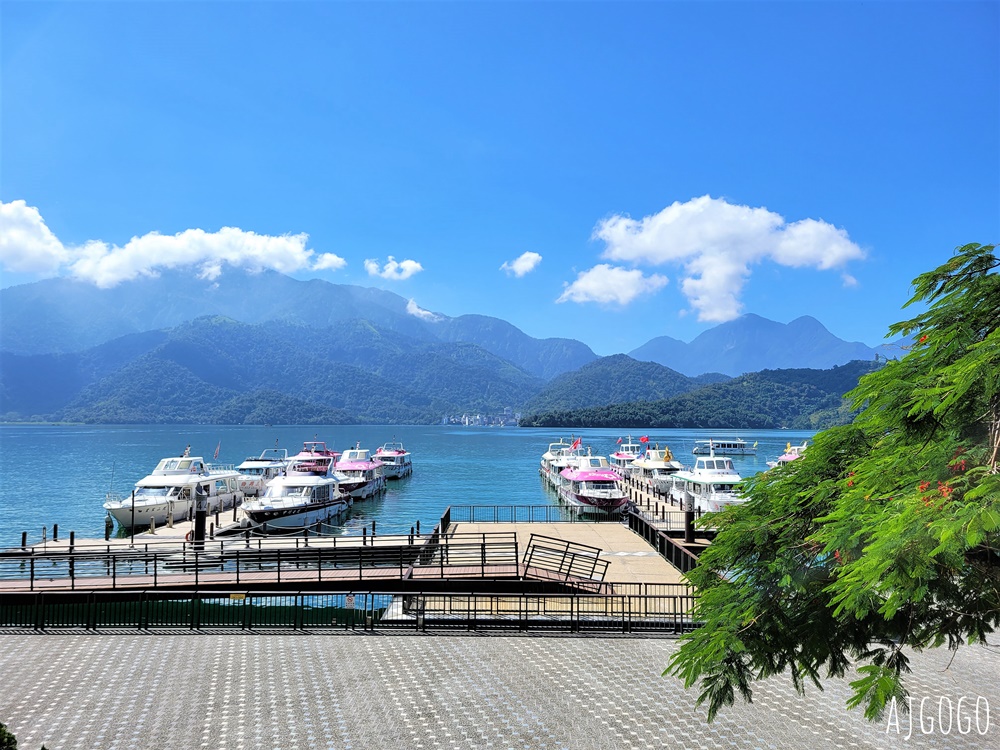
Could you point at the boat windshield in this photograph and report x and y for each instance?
(148, 493)
(174, 464)
(288, 491)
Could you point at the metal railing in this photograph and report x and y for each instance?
(352, 610)
(235, 562)
(558, 559)
(529, 514)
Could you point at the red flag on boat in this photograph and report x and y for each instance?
(644, 439)
(619, 441)
(576, 444)
(217, 450)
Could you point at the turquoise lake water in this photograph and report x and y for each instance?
(59, 474)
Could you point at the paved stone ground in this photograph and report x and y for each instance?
(239, 691)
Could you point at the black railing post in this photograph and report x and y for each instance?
(72, 560)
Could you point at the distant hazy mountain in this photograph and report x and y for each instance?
(612, 380)
(215, 369)
(60, 316)
(752, 343)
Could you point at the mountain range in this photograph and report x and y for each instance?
(799, 398)
(268, 348)
(751, 343)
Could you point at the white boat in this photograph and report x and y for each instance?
(655, 468)
(555, 449)
(168, 492)
(621, 460)
(591, 485)
(709, 486)
(791, 453)
(728, 447)
(558, 457)
(363, 475)
(307, 493)
(396, 460)
(257, 471)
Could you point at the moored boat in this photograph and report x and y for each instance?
(396, 460)
(709, 486)
(627, 452)
(791, 453)
(655, 468)
(363, 475)
(257, 471)
(728, 447)
(591, 485)
(308, 492)
(554, 450)
(168, 492)
(562, 457)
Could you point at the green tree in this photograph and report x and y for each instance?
(883, 537)
(7, 740)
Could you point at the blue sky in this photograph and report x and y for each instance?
(609, 172)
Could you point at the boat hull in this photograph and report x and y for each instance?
(292, 516)
(395, 471)
(366, 489)
(147, 513)
(590, 504)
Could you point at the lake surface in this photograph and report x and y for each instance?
(59, 474)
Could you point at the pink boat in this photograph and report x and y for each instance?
(361, 475)
(396, 460)
(791, 453)
(591, 485)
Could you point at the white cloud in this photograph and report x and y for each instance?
(609, 284)
(717, 242)
(329, 262)
(27, 245)
(524, 263)
(107, 265)
(418, 312)
(393, 270)
(849, 281)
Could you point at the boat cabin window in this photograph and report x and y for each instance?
(322, 493)
(601, 485)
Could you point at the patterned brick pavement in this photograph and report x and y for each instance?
(241, 691)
